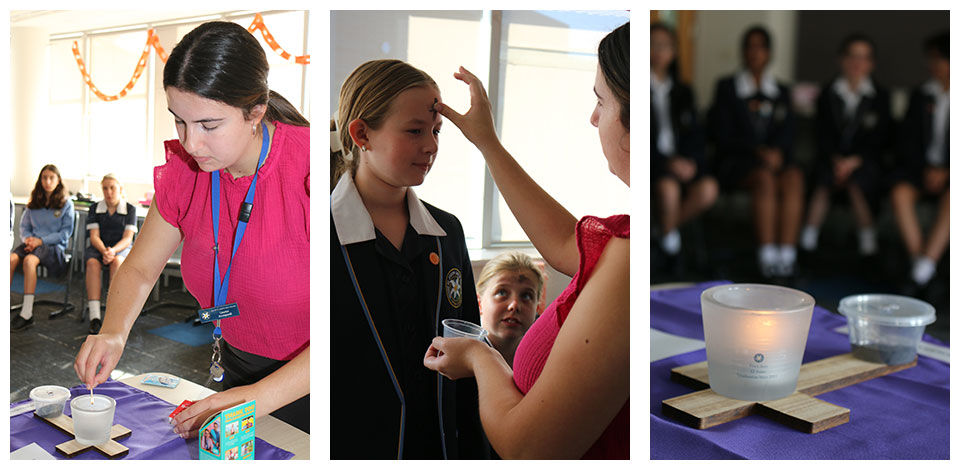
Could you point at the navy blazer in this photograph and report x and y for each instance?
(731, 131)
(916, 132)
(687, 132)
(867, 134)
(365, 410)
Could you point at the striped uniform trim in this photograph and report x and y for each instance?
(383, 351)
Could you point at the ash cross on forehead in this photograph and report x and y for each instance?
(433, 108)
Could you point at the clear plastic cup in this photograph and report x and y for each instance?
(454, 328)
(50, 400)
(755, 336)
(886, 328)
(92, 418)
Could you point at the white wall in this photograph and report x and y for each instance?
(717, 36)
(28, 80)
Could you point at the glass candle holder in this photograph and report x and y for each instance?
(92, 418)
(755, 335)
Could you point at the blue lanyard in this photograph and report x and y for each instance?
(220, 289)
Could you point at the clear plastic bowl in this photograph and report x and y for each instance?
(886, 328)
(50, 400)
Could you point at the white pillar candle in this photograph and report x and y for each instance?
(92, 418)
(755, 336)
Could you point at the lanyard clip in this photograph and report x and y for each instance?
(245, 209)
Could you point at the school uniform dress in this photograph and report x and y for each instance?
(384, 302)
(54, 227)
(745, 116)
(111, 226)
(674, 128)
(852, 122)
(924, 140)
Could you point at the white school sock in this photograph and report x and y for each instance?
(788, 257)
(27, 310)
(808, 237)
(94, 307)
(768, 256)
(923, 270)
(671, 242)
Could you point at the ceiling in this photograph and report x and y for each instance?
(66, 21)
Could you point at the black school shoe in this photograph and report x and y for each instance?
(95, 326)
(19, 323)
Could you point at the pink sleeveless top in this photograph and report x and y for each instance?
(592, 236)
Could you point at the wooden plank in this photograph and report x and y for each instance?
(815, 377)
(804, 413)
(71, 448)
(706, 409)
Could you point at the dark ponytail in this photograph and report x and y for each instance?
(222, 61)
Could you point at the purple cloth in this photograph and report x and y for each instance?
(141, 412)
(904, 415)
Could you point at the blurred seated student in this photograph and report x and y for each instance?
(923, 166)
(110, 226)
(853, 125)
(45, 227)
(508, 291)
(751, 123)
(682, 186)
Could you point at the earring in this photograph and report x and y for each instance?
(253, 130)
(363, 147)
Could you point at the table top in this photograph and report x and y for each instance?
(269, 428)
(904, 415)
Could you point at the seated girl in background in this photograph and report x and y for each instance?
(509, 289)
(853, 128)
(752, 124)
(45, 228)
(111, 225)
(398, 268)
(923, 164)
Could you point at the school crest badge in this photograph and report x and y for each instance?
(454, 287)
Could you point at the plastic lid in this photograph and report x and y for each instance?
(49, 393)
(887, 309)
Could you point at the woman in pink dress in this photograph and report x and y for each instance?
(568, 393)
(237, 140)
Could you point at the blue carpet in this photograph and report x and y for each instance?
(186, 333)
(43, 287)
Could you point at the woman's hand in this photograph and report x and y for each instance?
(477, 124)
(188, 422)
(102, 350)
(454, 357)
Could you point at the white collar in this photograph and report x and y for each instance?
(865, 88)
(354, 224)
(121, 207)
(660, 86)
(746, 87)
(934, 88)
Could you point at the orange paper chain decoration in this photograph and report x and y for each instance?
(258, 24)
(154, 41)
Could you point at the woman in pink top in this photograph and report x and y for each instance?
(568, 394)
(234, 130)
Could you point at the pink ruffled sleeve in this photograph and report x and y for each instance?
(174, 183)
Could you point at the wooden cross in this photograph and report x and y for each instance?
(800, 410)
(72, 448)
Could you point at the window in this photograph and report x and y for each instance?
(125, 136)
(541, 83)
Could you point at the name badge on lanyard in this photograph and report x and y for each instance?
(221, 309)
